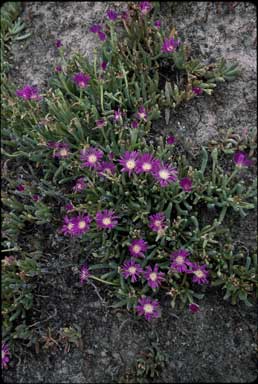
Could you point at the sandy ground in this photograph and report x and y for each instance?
(218, 343)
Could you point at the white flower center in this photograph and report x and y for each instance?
(180, 260)
(141, 115)
(146, 166)
(148, 308)
(132, 270)
(153, 276)
(106, 221)
(130, 164)
(164, 174)
(92, 159)
(136, 248)
(199, 273)
(157, 223)
(82, 224)
(81, 83)
(70, 226)
(63, 152)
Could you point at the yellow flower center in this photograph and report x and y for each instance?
(180, 260)
(148, 308)
(164, 174)
(157, 223)
(146, 166)
(199, 273)
(136, 248)
(63, 152)
(132, 270)
(106, 221)
(141, 115)
(153, 276)
(130, 164)
(82, 224)
(92, 158)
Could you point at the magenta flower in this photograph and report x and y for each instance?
(179, 260)
(58, 43)
(84, 274)
(28, 93)
(101, 123)
(170, 45)
(138, 247)
(69, 207)
(199, 273)
(96, 28)
(134, 124)
(106, 219)
(68, 227)
(106, 167)
(104, 65)
(90, 157)
(118, 115)
(102, 36)
(131, 269)
(171, 140)
(20, 188)
(81, 224)
(193, 307)
(186, 184)
(145, 163)
(157, 24)
(80, 185)
(124, 15)
(129, 161)
(58, 68)
(197, 91)
(5, 355)
(112, 15)
(35, 198)
(61, 150)
(164, 174)
(148, 308)
(153, 277)
(81, 79)
(111, 156)
(241, 160)
(145, 7)
(141, 114)
(157, 222)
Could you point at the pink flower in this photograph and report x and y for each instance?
(76, 226)
(118, 115)
(131, 269)
(199, 273)
(5, 355)
(170, 45)
(69, 207)
(138, 247)
(145, 163)
(90, 157)
(106, 219)
(142, 114)
(20, 188)
(81, 79)
(101, 123)
(153, 277)
(134, 124)
(28, 93)
(112, 15)
(61, 150)
(96, 28)
(148, 308)
(35, 198)
(241, 160)
(157, 24)
(171, 140)
(129, 161)
(58, 68)
(194, 308)
(186, 184)
(58, 43)
(197, 91)
(179, 260)
(157, 222)
(145, 7)
(84, 274)
(102, 36)
(80, 185)
(164, 174)
(104, 65)
(106, 167)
